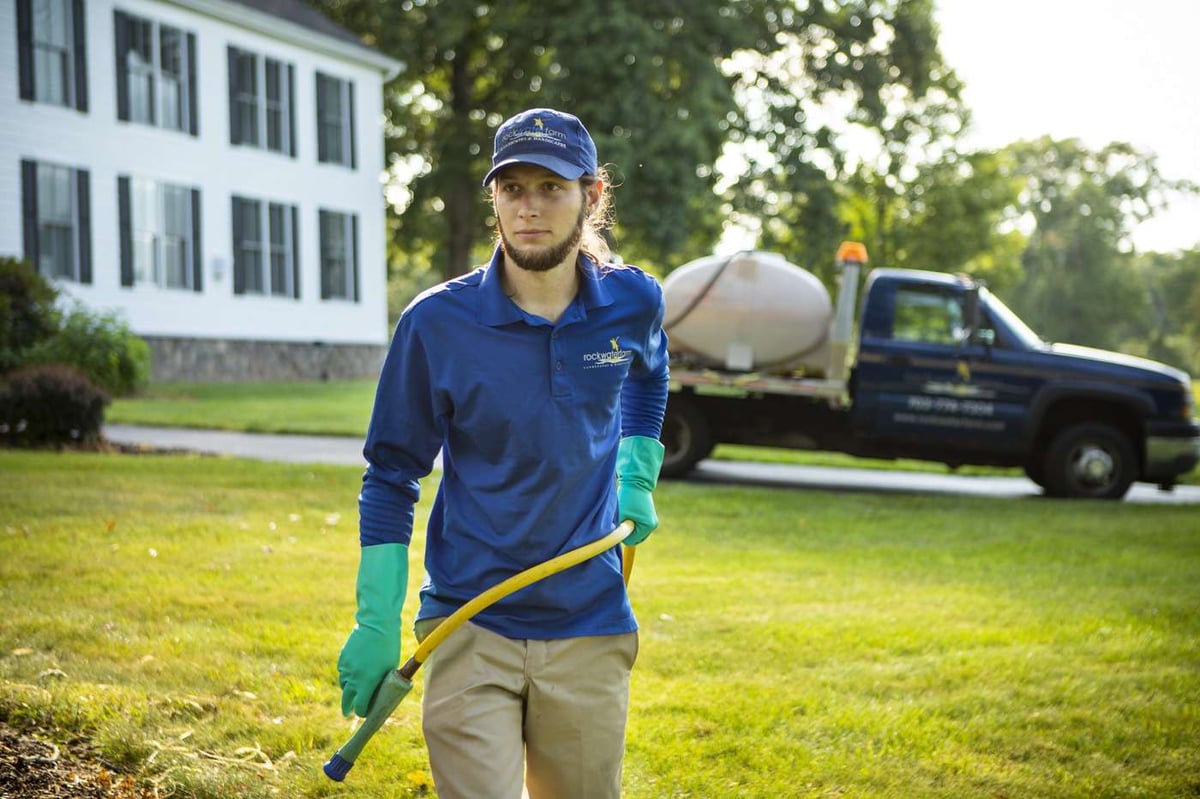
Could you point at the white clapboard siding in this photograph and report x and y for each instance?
(98, 142)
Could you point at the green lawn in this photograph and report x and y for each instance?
(185, 613)
(334, 408)
(344, 408)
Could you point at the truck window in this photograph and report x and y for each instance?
(930, 317)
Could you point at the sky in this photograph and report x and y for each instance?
(1096, 70)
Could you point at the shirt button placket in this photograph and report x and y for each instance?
(560, 386)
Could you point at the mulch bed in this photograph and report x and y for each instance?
(31, 768)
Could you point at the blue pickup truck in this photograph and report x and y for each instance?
(937, 368)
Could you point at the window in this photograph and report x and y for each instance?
(928, 316)
(52, 52)
(261, 102)
(339, 256)
(156, 74)
(57, 222)
(265, 264)
(335, 121)
(160, 241)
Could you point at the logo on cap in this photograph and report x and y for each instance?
(547, 138)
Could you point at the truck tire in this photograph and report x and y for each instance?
(685, 437)
(1092, 460)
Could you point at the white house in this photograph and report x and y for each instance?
(209, 168)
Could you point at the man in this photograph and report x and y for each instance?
(540, 377)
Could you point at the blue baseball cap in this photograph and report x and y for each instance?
(551, 139)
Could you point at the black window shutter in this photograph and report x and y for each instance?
(124, 220)
(83, 198)
(321, 144)
(323, 253)
(239, 266)
(234, 127)
(121, 35)
(197, 249)
(291, 95)
(354, 249)
(295, 252)
(193, 115)
(25, 47)
(353, 148)
(81, 81)
(29, 206)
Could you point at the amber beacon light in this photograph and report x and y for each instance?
(852, 251)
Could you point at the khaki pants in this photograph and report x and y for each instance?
(499, 712)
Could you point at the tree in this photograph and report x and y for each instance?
(664, 85)
(1170, 332)
(958, 214)
(1079, 283)
(870, 72)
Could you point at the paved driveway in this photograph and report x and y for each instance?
(348, 451)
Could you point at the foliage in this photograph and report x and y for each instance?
(956, 214)
(185, 614)
(1170, 331)
(1079, 284)
(101, 345)
(869, 72)
(50, 404)
(651, 81)
(27, 311)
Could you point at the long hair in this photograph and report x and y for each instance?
(598, 219)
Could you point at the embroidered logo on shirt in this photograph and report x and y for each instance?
(614, 356)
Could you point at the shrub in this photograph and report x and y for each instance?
(27, 311)
(100, 345)
(50, 404)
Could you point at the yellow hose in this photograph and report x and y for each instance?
(519, 581)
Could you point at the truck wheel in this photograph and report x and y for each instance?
(1090, 461)
(685, 437)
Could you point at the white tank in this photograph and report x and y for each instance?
(749, 311)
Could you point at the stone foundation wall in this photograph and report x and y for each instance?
(238, 361)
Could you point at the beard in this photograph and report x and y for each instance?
(546, 259)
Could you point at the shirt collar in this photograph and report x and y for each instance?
(497, 309)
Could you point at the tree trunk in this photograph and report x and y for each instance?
(460, 223)
(463, 191)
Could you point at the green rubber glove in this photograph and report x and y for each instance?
(639, 459)
(373, 648)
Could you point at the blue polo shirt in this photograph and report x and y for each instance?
(527, 415)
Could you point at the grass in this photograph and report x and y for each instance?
(344, 408)
(332, 408)
(186, 613)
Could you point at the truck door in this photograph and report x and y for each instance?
(920, 381)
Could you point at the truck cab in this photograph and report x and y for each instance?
(946, 371)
